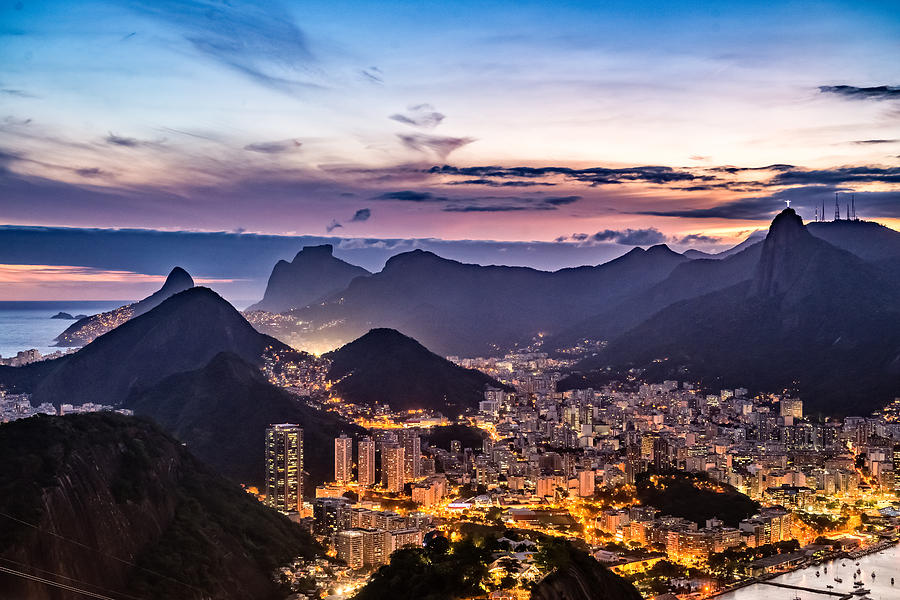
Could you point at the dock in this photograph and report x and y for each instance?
(842, 595)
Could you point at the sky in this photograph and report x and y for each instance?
(533, 133)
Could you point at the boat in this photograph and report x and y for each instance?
(817, 573)
(873, 574)
(830, 587)
(839, 580)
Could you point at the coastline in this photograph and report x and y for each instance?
(869, 550)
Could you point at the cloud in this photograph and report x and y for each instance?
(442, 146)
(373, 75)
(276, 147)
(879, 92)
(492, 183)
(17, 93)
(261, 42)
(332, 226)
(420, 115)
(118, 140)
(90, 172)
(411, 196)
(837, 175)
(698, 238)
(561, 200)
(594, 175)
(630, 237)
(756, 208)
(873, 142)
(483, 203)
(361, 215)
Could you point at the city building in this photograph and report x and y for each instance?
(366, 462)
(343, 459)
(284, 467)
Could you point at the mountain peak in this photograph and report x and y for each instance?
(660, 249)
(785, 251)
(178, 278)
(786, 223)
(314, 274)
(320, 251)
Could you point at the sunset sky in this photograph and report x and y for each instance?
(531, 133)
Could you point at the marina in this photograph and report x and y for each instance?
(836, 579)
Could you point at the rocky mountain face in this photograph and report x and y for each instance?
(387, 367)
(465, 309)
(313, 275)
(221, 410)
(580, 577)
(812, 317)
(87, 329)
(183, 333)
(110, 504)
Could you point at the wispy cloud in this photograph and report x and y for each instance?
(878, 92)
(260, 41)
(363, 214)
(277, 147)
(420, 115)
(440, 145)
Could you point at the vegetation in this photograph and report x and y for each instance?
(574, 574)
(732, 560)
(694, 496)
(468, 436)
(181, 521)
(439, 571)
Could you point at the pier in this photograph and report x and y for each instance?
(842, 595)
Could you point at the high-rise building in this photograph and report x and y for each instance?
(412, 454)
(791, 407)
(284, 467)
(392, 467)
(343, 459)
(366, 462)
(350, 547)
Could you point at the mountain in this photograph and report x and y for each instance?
(578, 576)
(813, 317)
(221, 410)
(465, 309)
(313, 274)
(183, 333)
(755, 237)
(87, 329)
(387, 367)
(111, 505)
(688, 280)
(868, 240)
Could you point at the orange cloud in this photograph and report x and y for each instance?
(68, 282)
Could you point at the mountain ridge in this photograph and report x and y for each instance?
(313, 274)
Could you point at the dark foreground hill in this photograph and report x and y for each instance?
(112, 505)
(384, 366)
(221, 411)
(87, 329)
(181, 334)
(577, 576)
(813, 317)
(313, 274)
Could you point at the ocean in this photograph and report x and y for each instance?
(884, 564)
(27, 325)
